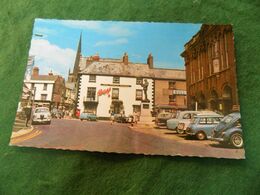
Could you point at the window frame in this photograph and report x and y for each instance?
(43, 95)
(138, 97)
(91, 92)
(139, 81)
(116, 79)
(92, 78)
(45, 86)
(113, 94)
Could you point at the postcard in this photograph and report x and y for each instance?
(131, 87)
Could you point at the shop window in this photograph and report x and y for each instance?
(91, 93)
(115, 93)
(139, 81)
(139, 94)
(92, 78)
(116, 79)
(43, 97)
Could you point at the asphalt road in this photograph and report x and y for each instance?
(105, 137)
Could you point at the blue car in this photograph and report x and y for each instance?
(202, 125)
(229, 131)
(87, 116)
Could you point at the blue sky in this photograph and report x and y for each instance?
(55, 50)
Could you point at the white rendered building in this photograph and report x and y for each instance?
(109, 86)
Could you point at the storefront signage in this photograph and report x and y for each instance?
(104, 92)
(179, 92)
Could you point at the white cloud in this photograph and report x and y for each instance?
(113, 42)
(97, 26)
(51, 57)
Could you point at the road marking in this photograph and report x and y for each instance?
(26, 137)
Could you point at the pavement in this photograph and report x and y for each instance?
(103, 136)
(22, 132)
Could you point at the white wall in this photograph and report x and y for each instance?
(39, 89)
(126, 94)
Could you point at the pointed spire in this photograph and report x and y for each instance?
(79, 44)
(77, 59)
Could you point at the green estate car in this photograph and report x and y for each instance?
(88, 116)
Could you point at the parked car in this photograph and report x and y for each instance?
(181, 116)
(121, 118)
(229, 131)
(202, 125)
(185, 122)
(41, 115)
(161, 119)
(89, 116)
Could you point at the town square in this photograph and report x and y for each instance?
(133, 103)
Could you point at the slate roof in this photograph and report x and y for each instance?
(118, 68)
(45, 77)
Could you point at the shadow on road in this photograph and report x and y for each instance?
(218, 145)
(170, 133)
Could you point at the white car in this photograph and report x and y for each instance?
(41, 115)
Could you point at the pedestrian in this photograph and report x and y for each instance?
(112, 118)
(28, 111)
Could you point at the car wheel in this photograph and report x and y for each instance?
(200, 136)
(180, 131)
(236, 140)
(49, 122)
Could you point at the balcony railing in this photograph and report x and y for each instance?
(90, 99)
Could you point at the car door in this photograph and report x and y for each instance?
(211, 123)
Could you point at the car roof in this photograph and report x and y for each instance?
(208, 115)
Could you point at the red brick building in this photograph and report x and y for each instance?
(211, 69)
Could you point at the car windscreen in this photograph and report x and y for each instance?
(224, 122)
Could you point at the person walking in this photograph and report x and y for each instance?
(28, 112)
(112, 118)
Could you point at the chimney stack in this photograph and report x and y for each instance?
(125, 58)
(35, 71)
(150, 60)
(50, 73)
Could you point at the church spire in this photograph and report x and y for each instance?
(77, 59)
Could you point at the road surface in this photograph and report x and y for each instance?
(103, 136)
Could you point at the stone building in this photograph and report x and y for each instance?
(211, 69)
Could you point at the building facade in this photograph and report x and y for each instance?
(47, 90)
(211, 69)
(170, 91)
(114, 86)
(117, 86)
